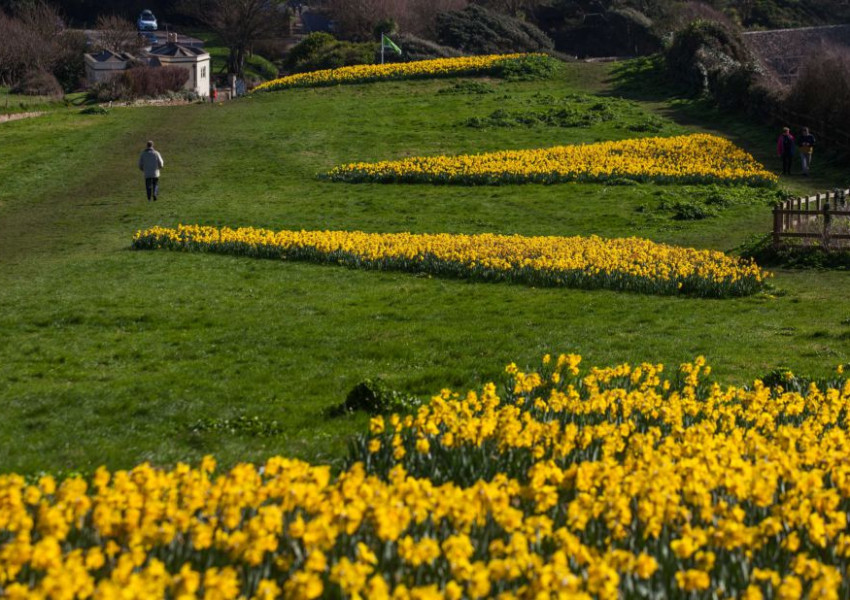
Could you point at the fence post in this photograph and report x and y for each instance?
(796, 217)
(777, 225)
(786, 223)
(826, 219)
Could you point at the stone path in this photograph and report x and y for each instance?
(19, 116)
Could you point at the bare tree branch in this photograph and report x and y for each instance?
(117, 34)
(239, 24)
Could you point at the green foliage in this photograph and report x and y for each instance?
(323, 51)
(375, 397)
(476, 30)
(527, 68)
(385, 27)
(94, 110)
(242, 425)
(555, 117)
(574, 110)
(262, 66)
(708, 57)
(697, 203)
(688, 210)
(590, 28)
(469, 87)
(651, 124)
(415, 48)
(791, 255)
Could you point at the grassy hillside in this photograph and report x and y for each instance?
(113, 356)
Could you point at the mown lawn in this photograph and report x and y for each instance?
(109, 356)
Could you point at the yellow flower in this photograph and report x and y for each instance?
(693, 580)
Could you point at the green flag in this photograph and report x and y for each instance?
(388, 43)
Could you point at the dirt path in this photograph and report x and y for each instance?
(19, 116)
(94, 197)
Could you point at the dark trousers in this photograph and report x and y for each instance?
(152, 187)
(786, 163)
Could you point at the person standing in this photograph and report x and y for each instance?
(785, 149)
(806, 143)
(214, 94)
(150, 162)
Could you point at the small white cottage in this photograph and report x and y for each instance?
(194, 60)
(105, 64)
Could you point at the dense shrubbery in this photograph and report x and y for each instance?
(822, 89)
(140, 82)
(477, 30)
(34, 41)
(357, 20)
(795, 255)
(705, 54)
(416, 48)
(614, 32)
(38, 83)
(323, 51)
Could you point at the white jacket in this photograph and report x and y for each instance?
(151, 162)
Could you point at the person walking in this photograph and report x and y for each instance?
(806, 143)
(214, 94)
(785, 149)
(150, 162)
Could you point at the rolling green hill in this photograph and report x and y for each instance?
(110, 356)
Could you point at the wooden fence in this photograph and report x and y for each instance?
(812, 218)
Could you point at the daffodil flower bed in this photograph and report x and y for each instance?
(697, 158)
(604, 483)
(423, 69)
(585, 262)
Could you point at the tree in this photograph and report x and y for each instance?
(514, 8)
(239, 24)
(35, 41)
(117, 34)
(357, 19)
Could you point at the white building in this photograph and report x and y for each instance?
(105, 64)
(196, 61)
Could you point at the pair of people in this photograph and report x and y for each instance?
(786, 146)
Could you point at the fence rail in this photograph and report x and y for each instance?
(812, 217)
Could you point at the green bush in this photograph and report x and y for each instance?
(689, 210)
(710, 58)
(242, 425)
(476, 30)
(791, 255)
(94, 110)
(262, 66)
(416, 48)
(527, 68)
(374, 397)
(323, 51)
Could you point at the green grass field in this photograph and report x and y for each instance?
(109, 356)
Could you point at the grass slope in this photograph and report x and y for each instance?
(109, 356)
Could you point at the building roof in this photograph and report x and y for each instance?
(105, 56)
(177, 51)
